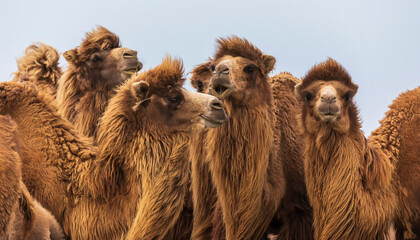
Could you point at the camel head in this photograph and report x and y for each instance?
(326, 96)
(201, 76)
(100, 57)
(163, 102)
(240, 73)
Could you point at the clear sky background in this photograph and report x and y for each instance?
(377, 41)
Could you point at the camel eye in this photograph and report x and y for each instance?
(348, 96)
(174, 101)
(307, 96)
(95, 58)
(212, 68)
(200, 86)
(249, 69)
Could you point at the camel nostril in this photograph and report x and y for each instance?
(129, 54)
(330, 98)
(216, 104)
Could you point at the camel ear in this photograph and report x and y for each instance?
(71, 56)
(140, 89)
(269, 62)
(297, 91)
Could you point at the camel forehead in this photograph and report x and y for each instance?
(319, 85)
(233, 61)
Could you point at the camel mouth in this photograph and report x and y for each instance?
(222, 92)
(133, 70)
(328, 117)
(211, 122)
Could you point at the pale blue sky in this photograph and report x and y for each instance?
(377, 41)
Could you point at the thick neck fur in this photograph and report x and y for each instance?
(349, 185)
(240, 152)
(82, 99)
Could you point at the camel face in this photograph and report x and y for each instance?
(201, 76)
(170, 106)
(101, 60)
(115, 65)
(327, 101)
(240, 80)
(111, 66)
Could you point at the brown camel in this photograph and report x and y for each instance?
(40, 67)
(356, 186)
(21, 217)
(96, 68)
(255, 159)
(137, 185)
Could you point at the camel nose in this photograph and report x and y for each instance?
(328, 95)
(216, 104)
(223, 68)
(129, 53)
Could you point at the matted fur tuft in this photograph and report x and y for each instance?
(39, 65)
(99, 39)
(237, 47)
(329, 70)
(168, 74)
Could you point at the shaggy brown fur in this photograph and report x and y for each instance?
(255, 159)
(354, 184)
(40, 66)
(201, 76)
(138, 185)
(96, 68)
(20, 216)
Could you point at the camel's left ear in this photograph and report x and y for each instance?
(269, 62)
(71, 56)
(297, 91)
(140, 90)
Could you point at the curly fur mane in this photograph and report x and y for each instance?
(166, 75)
(40, 66)
(98, 40)
(239, 47)
(330, 70)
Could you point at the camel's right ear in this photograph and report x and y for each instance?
(71, 56)
(140, 89)
(297, 91)
(269, 62)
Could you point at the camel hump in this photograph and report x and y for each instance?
(40, 63)
(285, 79)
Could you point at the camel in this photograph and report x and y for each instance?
(359, 188)
(135, 184)
(21, 217)
(40, 67)
(255, 159)
(96, 68)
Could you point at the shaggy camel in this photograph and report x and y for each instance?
(255, 159)
(20, 217)
(96, 68)
(40, 67)
(137, 185)
(207, 213)
(358, 188)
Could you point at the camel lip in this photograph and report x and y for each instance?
(133, 69)
(328, 117)
(211, 122)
